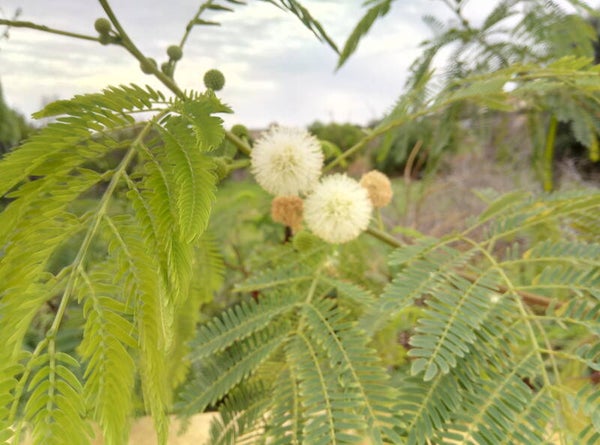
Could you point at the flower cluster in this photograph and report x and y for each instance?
(338, 210)
(287, 163)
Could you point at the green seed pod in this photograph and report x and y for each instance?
(167, 68)
(214, 80)
(103, 26)
(174, 52)
(148, 65)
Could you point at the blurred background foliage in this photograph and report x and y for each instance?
(446, 167)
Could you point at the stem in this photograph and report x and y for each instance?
(379, 220)
(408, 168)
(549, 155)
(166, 80)
(241, 145)
(383, 236)
(528, 297)
(135, 52)
(91, 233)
(383, 128)
(236, 165)
(352, 150)
(537, 350)
(31, 25)
(190, 25)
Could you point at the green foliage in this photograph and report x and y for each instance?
(377, 9)
(152, 208)
(336, 138)
(115, 234)
(13, 127)
(304, 15)
(337, 379)
(484, 365)
(516, 32)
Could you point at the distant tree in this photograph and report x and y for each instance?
(523, 33)
(13, 126)
(343, 136)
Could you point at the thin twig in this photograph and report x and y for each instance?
(240, 144)
(528, 297)
(135, 52)
(31, 25)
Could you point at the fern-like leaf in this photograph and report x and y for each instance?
(214, 377)
(362, 378)
(238, 323)
(377, 9)
(108, 345)
(304, 15)
(56, 407)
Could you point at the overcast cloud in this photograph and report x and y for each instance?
(276, 70)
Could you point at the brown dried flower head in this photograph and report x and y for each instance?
(378, 186)
(288, 210)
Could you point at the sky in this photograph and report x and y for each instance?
(275, 69)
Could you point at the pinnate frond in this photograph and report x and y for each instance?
(108, 347)
(69, 192)
(215, 376)
(358, 370)
(240, 418)
(237, 323)
(56, 407)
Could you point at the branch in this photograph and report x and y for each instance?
(135, 52)
(190, 25)
(529, 298)
(31, 25)
(241, 145)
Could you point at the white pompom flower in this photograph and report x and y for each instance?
(338, 209)
(287, 161)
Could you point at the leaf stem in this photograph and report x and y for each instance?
(190, 26)
(549, 155)
(135, 52)
(98, 216)
(528, 297)
(31, 25)
(240, 144)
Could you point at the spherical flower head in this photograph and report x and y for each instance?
(338, 209)
(241, 131)
(103, 26)
(175, 52)
(288, 210)
(287, 161)
(379, 188)
(214, 80)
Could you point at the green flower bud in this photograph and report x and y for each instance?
(174, 52)
(105, 39)
(103, 26)
(221, 168)
(240, 131)
(214, 80)
(167, 68)
(148, 65)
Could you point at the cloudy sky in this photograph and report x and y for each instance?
(276, 70)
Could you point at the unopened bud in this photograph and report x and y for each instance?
(288, 210)
(379, 188)
(214, 80)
